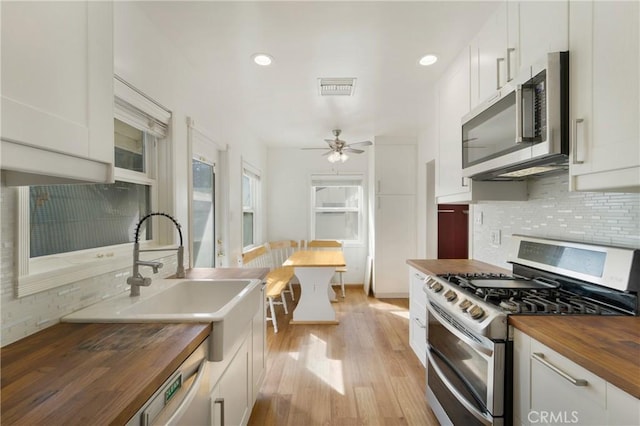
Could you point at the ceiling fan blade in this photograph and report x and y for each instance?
(328, 152)
(363, 143)
(355, 151)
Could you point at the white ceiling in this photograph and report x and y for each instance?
(379, 43)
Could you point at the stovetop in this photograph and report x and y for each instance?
(523, 295)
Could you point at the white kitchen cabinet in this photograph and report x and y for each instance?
(258, 348)
(395, 169)
(604, 96)
(548, 388)
(516, 36)
(231, 394)
(395, 242)
(488, 57)
(452, 104)
(394, 216)
(57, 92)
(542, 27)
(622, 408)
(417, 315)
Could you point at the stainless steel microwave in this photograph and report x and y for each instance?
(523, 129)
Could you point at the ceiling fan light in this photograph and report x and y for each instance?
(343, 157)
(334, 157)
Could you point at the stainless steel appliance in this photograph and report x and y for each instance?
(523, 129)
(183, 398)
(469, 355)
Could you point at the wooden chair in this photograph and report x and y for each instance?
(276, 280)
(280, 251)
(329, 245)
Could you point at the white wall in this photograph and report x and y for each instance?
(289, 194)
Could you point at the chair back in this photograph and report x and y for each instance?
(257, 257)
(281, 250)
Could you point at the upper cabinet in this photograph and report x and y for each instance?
(516, 36)
(57, 92)
(453, 99)
(605, 96)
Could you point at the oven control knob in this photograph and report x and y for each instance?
(436, 286)
(476, 312)
(464, 305)
(450, 295)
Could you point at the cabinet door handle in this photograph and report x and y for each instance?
(574, 148)
(510, 50)
(420, 323)
(221, 402)
(498, 61)
(379, 185)
(540, 358)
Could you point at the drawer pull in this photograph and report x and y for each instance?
(540, 358)
(420, 323)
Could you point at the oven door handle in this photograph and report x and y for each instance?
(482, 350)
(483, 417)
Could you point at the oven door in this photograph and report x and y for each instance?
(465, 372)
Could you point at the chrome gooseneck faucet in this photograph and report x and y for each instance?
(137, 280)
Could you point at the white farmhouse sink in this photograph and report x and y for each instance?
(229, 305)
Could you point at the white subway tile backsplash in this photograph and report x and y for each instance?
(554, 212)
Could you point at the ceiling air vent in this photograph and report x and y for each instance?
(336, 86)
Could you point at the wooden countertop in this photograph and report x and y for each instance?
(90, 373)
(607, 346)
(445, 266)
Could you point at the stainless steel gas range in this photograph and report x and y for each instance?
(469, 354)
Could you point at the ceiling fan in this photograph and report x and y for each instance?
(338, 148)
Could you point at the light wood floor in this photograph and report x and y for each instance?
(360, 372)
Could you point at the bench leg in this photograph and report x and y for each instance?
(293, 297)
(284, 303)
(342, 284)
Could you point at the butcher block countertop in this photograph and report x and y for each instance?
(91, 373)
(445, 266)
(607, 346)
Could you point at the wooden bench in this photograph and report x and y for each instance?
(276, 280)
(280, 251)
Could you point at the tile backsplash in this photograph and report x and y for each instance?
(27, 315)
(554, 212)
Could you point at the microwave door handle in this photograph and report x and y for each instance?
(519, 114)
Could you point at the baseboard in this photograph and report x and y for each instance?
(391, 295)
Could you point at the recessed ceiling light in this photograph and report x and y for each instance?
(428, 60)
(262, 59)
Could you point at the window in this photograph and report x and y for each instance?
(336, 204)
(69, 228)
(250, 207)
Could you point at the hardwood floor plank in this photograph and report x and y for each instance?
(358, 372)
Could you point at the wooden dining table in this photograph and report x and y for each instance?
(314, 269)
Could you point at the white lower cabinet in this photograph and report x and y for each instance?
(417, 315)
(237, 380)
(551, 389)
(258, 349)
(231, 399)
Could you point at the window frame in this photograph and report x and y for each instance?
(255, 208)
(360, 209)
(43, 273)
